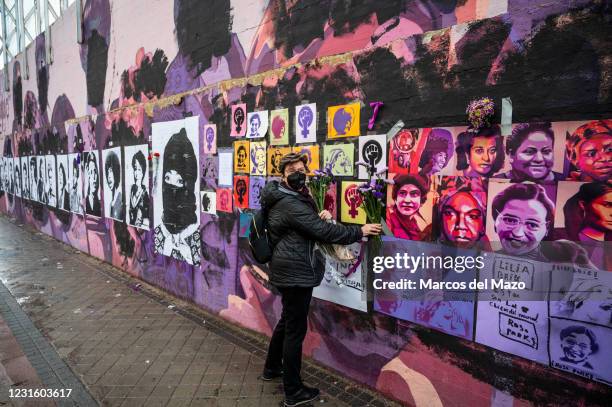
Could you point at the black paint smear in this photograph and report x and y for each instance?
(221, 116)
(513, 375)
(203, 30)
(97, 62)
(149, 79)
(49, 141)
(17, 93)
(25, 147)
(30, 112)
(124, 135)
(559, 73)
(42, 81)
(124, 239)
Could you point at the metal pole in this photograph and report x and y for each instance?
(48, 56)
(5, 47)
(79, 20)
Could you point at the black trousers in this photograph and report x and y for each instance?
(285, 350)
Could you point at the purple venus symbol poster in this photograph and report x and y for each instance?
(306, 123)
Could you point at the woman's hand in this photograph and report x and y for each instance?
(325, 215)
(371, 229)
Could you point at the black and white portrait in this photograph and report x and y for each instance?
(176, 190)
(33, 178)
(208, 200)
(137, 186)
(113, 186)
(25, 183)
(17, 176)
(257, 124)
(92, 183)
(41, 186)
(75, 183)
(51, 182)
(63, 186)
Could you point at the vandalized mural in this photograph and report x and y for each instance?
(286, 73)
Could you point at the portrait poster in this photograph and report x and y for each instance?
(402, 151)
(410, 202)
(63, 183)
(258, 158)
(448, 311)
(138, 199)
(114, 206)
(341, 286)
(343, 120)
(340, 158)
(226, 173)
(209, 142)
(586, 146)
(41, 186)
(275, 154)
(25, 181)
(51, 180)
(176, 190)
(331, 200)
(76, 170)
(256, 184)
(306, 123)
(238, 120)
(279, 127)
(209, 173)
(17, 176)
(245, 224)
(93, 204)
(312, 152)
(514, 320)
(581, 348)
(257, 124)
(241, 191)
(373, 154)
(435, 152)
(224, 200)
(350, 205)
(241, 157)
(208, 201)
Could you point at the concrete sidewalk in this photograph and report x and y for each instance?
(126, 346)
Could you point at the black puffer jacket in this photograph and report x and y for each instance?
(294, 227)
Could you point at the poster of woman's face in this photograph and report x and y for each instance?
(480, 153)
(75, 183)
(138, 201)
(460, 212)
(113, 184)
(63, 187)
(208, 202)
(17, 176)
(241, 156)
(25, 182)
(533, 154)
(257, 124)
(274, 158)
(258, 158)
(519, 216)
(51, 183)
(340, 158)
(589, 150)
(41, 186)
(176, 194)
(256, 184)
(33, 177)
(91, 162)
(435, 152)
(409, 206)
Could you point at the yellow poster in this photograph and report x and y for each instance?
(241, 156)
(343, 120)
(312, 152)
(274, 157)
(350, 203)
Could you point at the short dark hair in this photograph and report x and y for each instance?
(583, 331)
(112, 163)
(465, 141)
(523, 192)
(418, 181)
(522, 131)
(574, 217)
(140, 159)
(292, 158)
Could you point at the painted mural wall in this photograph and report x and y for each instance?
(194, 101)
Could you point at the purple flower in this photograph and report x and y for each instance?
(378, 195)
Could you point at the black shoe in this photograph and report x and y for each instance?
(303, 396)
(269, 375)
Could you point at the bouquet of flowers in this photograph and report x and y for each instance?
(319, 185)
(480, 112)
(373, 200)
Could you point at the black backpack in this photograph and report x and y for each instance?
(259, 240)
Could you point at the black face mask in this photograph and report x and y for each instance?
(297, 180)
